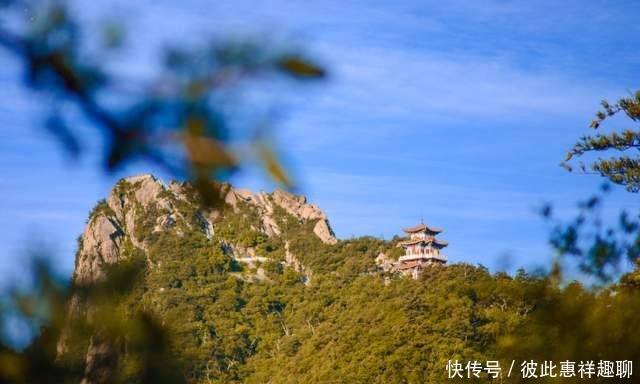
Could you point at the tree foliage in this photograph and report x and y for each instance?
(183, 310)
(186, 306)
(622, 168)
(602, 249)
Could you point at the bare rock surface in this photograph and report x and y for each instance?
(107, 229)
(295, 205)
(100, 245)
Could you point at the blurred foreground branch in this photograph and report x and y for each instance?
(178, 121)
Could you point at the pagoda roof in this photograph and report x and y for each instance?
(412, 241)
(422, 228)
(440, 242)
(416, 241)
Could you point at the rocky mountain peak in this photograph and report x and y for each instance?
(141, 209)
(138, 206)
(295, 205)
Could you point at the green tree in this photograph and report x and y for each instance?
(624, 167)
(602, 248)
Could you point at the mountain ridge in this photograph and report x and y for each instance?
(257, 289)
(141, 208)
(114, 218)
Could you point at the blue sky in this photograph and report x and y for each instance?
(456, 111)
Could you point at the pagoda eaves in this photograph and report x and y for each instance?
(422, 228)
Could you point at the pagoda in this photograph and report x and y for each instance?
(421, 249)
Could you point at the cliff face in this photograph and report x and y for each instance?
(141, 209)
(120, 218)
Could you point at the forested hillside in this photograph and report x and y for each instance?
(258, 290)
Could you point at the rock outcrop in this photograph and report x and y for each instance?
(384, 262)
(117, 218)
(298, 207)
(140, 207)
(295, 205)
(100, 244)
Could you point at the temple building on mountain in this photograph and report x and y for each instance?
(422, 249)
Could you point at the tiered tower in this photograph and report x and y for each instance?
(421, 249)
